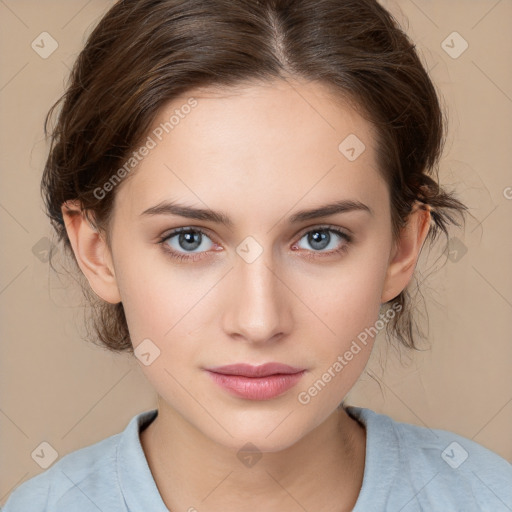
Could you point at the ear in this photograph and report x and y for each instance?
(406, 252)
(91, 252)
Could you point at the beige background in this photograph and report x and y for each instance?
(59, 389)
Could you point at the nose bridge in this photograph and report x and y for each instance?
(257, 308)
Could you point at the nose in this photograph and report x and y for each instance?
(258, 308)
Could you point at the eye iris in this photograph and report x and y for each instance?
(187, 238)
(324, 236)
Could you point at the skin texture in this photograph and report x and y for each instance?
(260, 154)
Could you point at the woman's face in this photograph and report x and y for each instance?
(264, 287)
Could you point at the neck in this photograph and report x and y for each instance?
(322, 471)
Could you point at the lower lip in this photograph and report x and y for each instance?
(257, 388)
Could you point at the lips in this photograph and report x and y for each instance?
(262, 382)
(264, 370)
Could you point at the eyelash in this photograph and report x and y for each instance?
(197, 256)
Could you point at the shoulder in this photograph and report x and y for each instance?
(443, 448)
(438, 467)
(459, 467)
(75, 482)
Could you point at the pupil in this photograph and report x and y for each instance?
(322, 239)
(188, 238)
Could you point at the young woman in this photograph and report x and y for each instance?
(247, 186)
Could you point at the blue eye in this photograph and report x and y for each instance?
(321, 238)
(188, 240)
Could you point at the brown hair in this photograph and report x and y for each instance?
(144, 53)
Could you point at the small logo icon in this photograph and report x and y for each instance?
(44, 45)
(351, 147)
(454, 45)
(454, 455)
(249, 249)
(146, 352)
(43, 249)
(45, 455)
(455, 249)
(249, 455)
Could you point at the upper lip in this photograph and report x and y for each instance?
(248, 370)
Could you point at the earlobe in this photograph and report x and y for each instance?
(406, 252)
(91, 252)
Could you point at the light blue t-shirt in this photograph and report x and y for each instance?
(407, 468)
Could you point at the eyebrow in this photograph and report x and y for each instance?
(219, 217)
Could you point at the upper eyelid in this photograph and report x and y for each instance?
(326, 227)
(176, 231)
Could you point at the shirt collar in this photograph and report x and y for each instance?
(135, 478)
(382, 451)
(141, 493)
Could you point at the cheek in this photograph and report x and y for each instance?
(147, 309)
(168, 306)
(350, 310)
(348, 300)
(155, 294)
(350, 315)
(161, 319)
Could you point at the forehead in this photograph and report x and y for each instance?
(271, 144)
